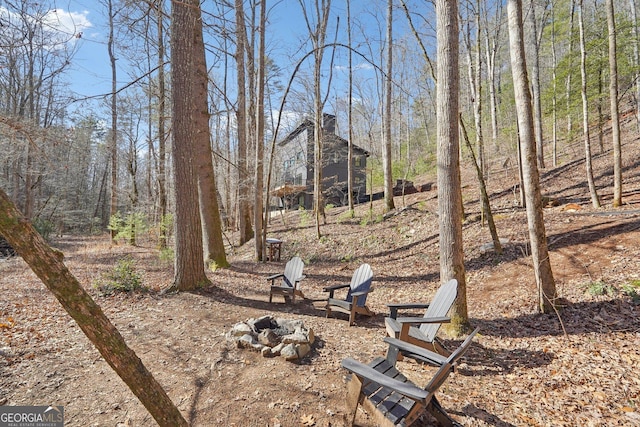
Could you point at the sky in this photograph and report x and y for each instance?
(90, 73)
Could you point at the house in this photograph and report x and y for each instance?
(295, 187)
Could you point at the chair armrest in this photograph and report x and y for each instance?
(422, 320)
(333, 288)
(393, 308)
(367, 372)
(414, 352)
(275, 276)
(360, 293)
(300, 279)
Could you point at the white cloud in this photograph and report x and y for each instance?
(356, 67)
(66, 24)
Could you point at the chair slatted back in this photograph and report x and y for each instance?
(360, 281)
(443, 372)
(292, 271)
(439, 307)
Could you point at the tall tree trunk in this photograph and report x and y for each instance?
(48, 265)
(162, 134)
(537, 235)
(636, 57)
(350, 117)
(449, 186)
(113, 143)
(386, 149)
(595, 200)
(535, 84)
(259, 202)
(569, 67)
(613, 95)
(188, 126)
(244, 213)
(554, 82)
(213, 248)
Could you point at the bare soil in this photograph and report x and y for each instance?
(578, 367)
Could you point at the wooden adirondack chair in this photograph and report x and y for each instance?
(390, 397)
(355, 301)
(291, 277)
(404, 328)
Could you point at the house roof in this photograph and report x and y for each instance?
(308, 124)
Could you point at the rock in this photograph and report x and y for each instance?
(277, 349)
(246, 341)
(268, 337)
(303, 350)
(295, 338)
(289, 325)
(266, 352)
(289, 352)
(240, 329)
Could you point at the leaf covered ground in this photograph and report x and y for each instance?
(577, 367)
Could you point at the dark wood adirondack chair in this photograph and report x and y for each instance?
(422, 331)
(355, 301)
(392, 399)
(289, 287)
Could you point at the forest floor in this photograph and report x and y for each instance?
(578, 367)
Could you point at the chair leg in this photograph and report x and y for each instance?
(354, 397)
(440, 414)
(352, 315)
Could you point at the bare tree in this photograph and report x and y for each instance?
(48, 265)
(449, 187)
(531, 181)
(244, 210)
(595, 200)
(113, 136)
(613, 99)
(190, 121)
(386, 149)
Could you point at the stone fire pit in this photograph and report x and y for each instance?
(273, 337)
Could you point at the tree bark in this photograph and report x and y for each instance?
(537, 235)
(386, 148)
(48, 265)
(259, 202)
(449, 187)
(595, 200)
(613, 96)
(188, 122)
(244, 213)
(113, 138)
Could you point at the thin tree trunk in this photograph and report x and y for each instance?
(636, 57)
(48, 265)
(113, 143)
(350, 117)
(244, 214)
(497, 246)
(162, 134)
(613, 95)
(535, 84)
(386, 149)
(595, 201)
(537, 235)
(259, 202)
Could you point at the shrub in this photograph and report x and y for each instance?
(599, 288)
(122, 278)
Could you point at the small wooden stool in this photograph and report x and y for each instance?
(274, 246)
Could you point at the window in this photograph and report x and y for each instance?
(357, 161)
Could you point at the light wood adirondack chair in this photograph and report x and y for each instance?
(355, 301)
(390, 397)
(422, 331)
(289, 286)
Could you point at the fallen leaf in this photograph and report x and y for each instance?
(308, 420)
